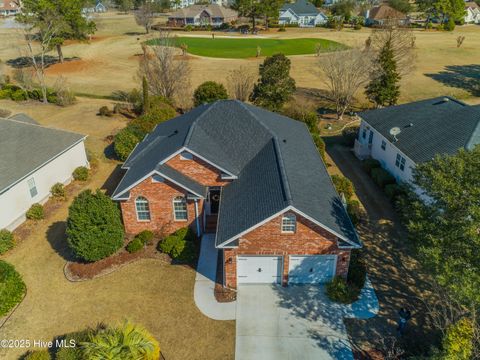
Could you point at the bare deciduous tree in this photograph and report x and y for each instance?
(167, 74)
(391, 349)
(344, 72)
(144, 16)
(403, 45)
(240, 83)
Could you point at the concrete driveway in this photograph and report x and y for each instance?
(295, 323)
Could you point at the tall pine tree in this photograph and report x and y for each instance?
(383, 89)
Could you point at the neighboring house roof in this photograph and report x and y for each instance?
(440, 125)
(25, 147)
(383, 12)
(213, 10)
(301, 7)
(472, 5)
(9, 5)
(273, 158)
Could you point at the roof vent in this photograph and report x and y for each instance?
(446, 99)
(394, 132)
(410, 125)
(285, 141)
(175, 132)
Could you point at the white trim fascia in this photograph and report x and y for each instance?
(8, 187)
(162, 175)
(126, 160)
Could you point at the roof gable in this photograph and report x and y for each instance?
(301, 7)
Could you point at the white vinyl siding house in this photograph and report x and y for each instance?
(302, 13)
(32, 159)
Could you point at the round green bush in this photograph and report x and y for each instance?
(38, 355)
(146, 236)
(135, 245)
(19, 95)
(35, 212)
(94, 226)
(80, 173)
(76, 352)
(125, 142)
(180, 245)
(12, 287)
(58, 191)
(5, 94)
(209, 92)
(159, 109)
(7, 241)
(172, 245)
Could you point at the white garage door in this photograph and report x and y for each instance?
(315, 269)
(259, 269)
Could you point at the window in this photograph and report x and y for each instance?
(142, 208)
(186, 156)
(32, 187)
(384, 144)
(180, 208)
(364, 133)
(400, 162)
(289, 223)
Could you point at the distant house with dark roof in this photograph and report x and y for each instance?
(402, 136)
(252, 177)
(9, 7)
(202, 15)
(32, 159)
(384, 14)
(301, 12)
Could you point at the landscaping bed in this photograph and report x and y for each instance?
(222, 294)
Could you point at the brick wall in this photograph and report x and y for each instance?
(198, 170)
(309, 239)
(160, 196)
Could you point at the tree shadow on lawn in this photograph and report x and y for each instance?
(397, 277)
(465, 77)
(57, 238)
(26, 61)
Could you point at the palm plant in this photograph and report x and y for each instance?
(126, 342)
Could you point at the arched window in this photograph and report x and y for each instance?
(180, 208)
(289, 223)
(142, 208)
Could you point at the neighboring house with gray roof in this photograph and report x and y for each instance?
(402, 136)
(32, 159)
(252, 177)
(301, 12)
(202, 15)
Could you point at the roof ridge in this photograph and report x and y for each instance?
(475, 134)
(41, 126)
(188, 137)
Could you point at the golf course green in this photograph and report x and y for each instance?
(245, 48)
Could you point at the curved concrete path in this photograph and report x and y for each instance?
(205, 284)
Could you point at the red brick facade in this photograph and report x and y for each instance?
(268, 239)
(160, 196)
(198, 170)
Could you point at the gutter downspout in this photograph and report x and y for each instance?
(196, 218)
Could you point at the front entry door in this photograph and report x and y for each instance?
(214, 196)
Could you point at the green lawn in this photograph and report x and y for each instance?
(245, 48)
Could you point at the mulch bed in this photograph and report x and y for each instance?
(222, 294)
(77, 271)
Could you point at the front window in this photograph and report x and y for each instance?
(143, 209)
(400, 162)
(32, 187)
(180, 208)
(289, 223)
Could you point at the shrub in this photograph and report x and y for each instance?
(125, 142)
(382, 177)
(449, 25)
(159, 109)
(458, 342)
(94, 226)
(135, 245)
(357, 270)
(146, 237)
(35, 212)
(344, 186)
(357, 27)
(209, 92)
(12, 287)
(58, 191)
(38, 355)
(370, 164)
(393, 191)
(320, 144)
(73, 353)
(282, 29)
(7, 241)
(5, 94)
(80, 173)
(349, 135)
(19, 95)
(105, 111)
(354, 211)
(65, 97)
(339, 291)
(179, 245)
(188, 28)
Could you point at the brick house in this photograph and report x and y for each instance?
(252, 177)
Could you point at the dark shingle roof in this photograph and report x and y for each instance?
(273, 157)
(24, 147)
(435, 126)
(301, 7)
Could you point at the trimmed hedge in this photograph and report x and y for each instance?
(58, 191)
(344, 186)
(370, 164)
(12, 287)
(94, 226)
(80, 173)
(35, 212)
(7, 241)
(382, 177)
(179, 245)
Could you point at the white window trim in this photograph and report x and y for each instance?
(31, 188)
(288, 217)
(149, 211)
(184, 200)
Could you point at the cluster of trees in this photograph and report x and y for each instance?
(256, 9)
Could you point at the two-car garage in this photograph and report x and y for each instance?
(302, 269)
